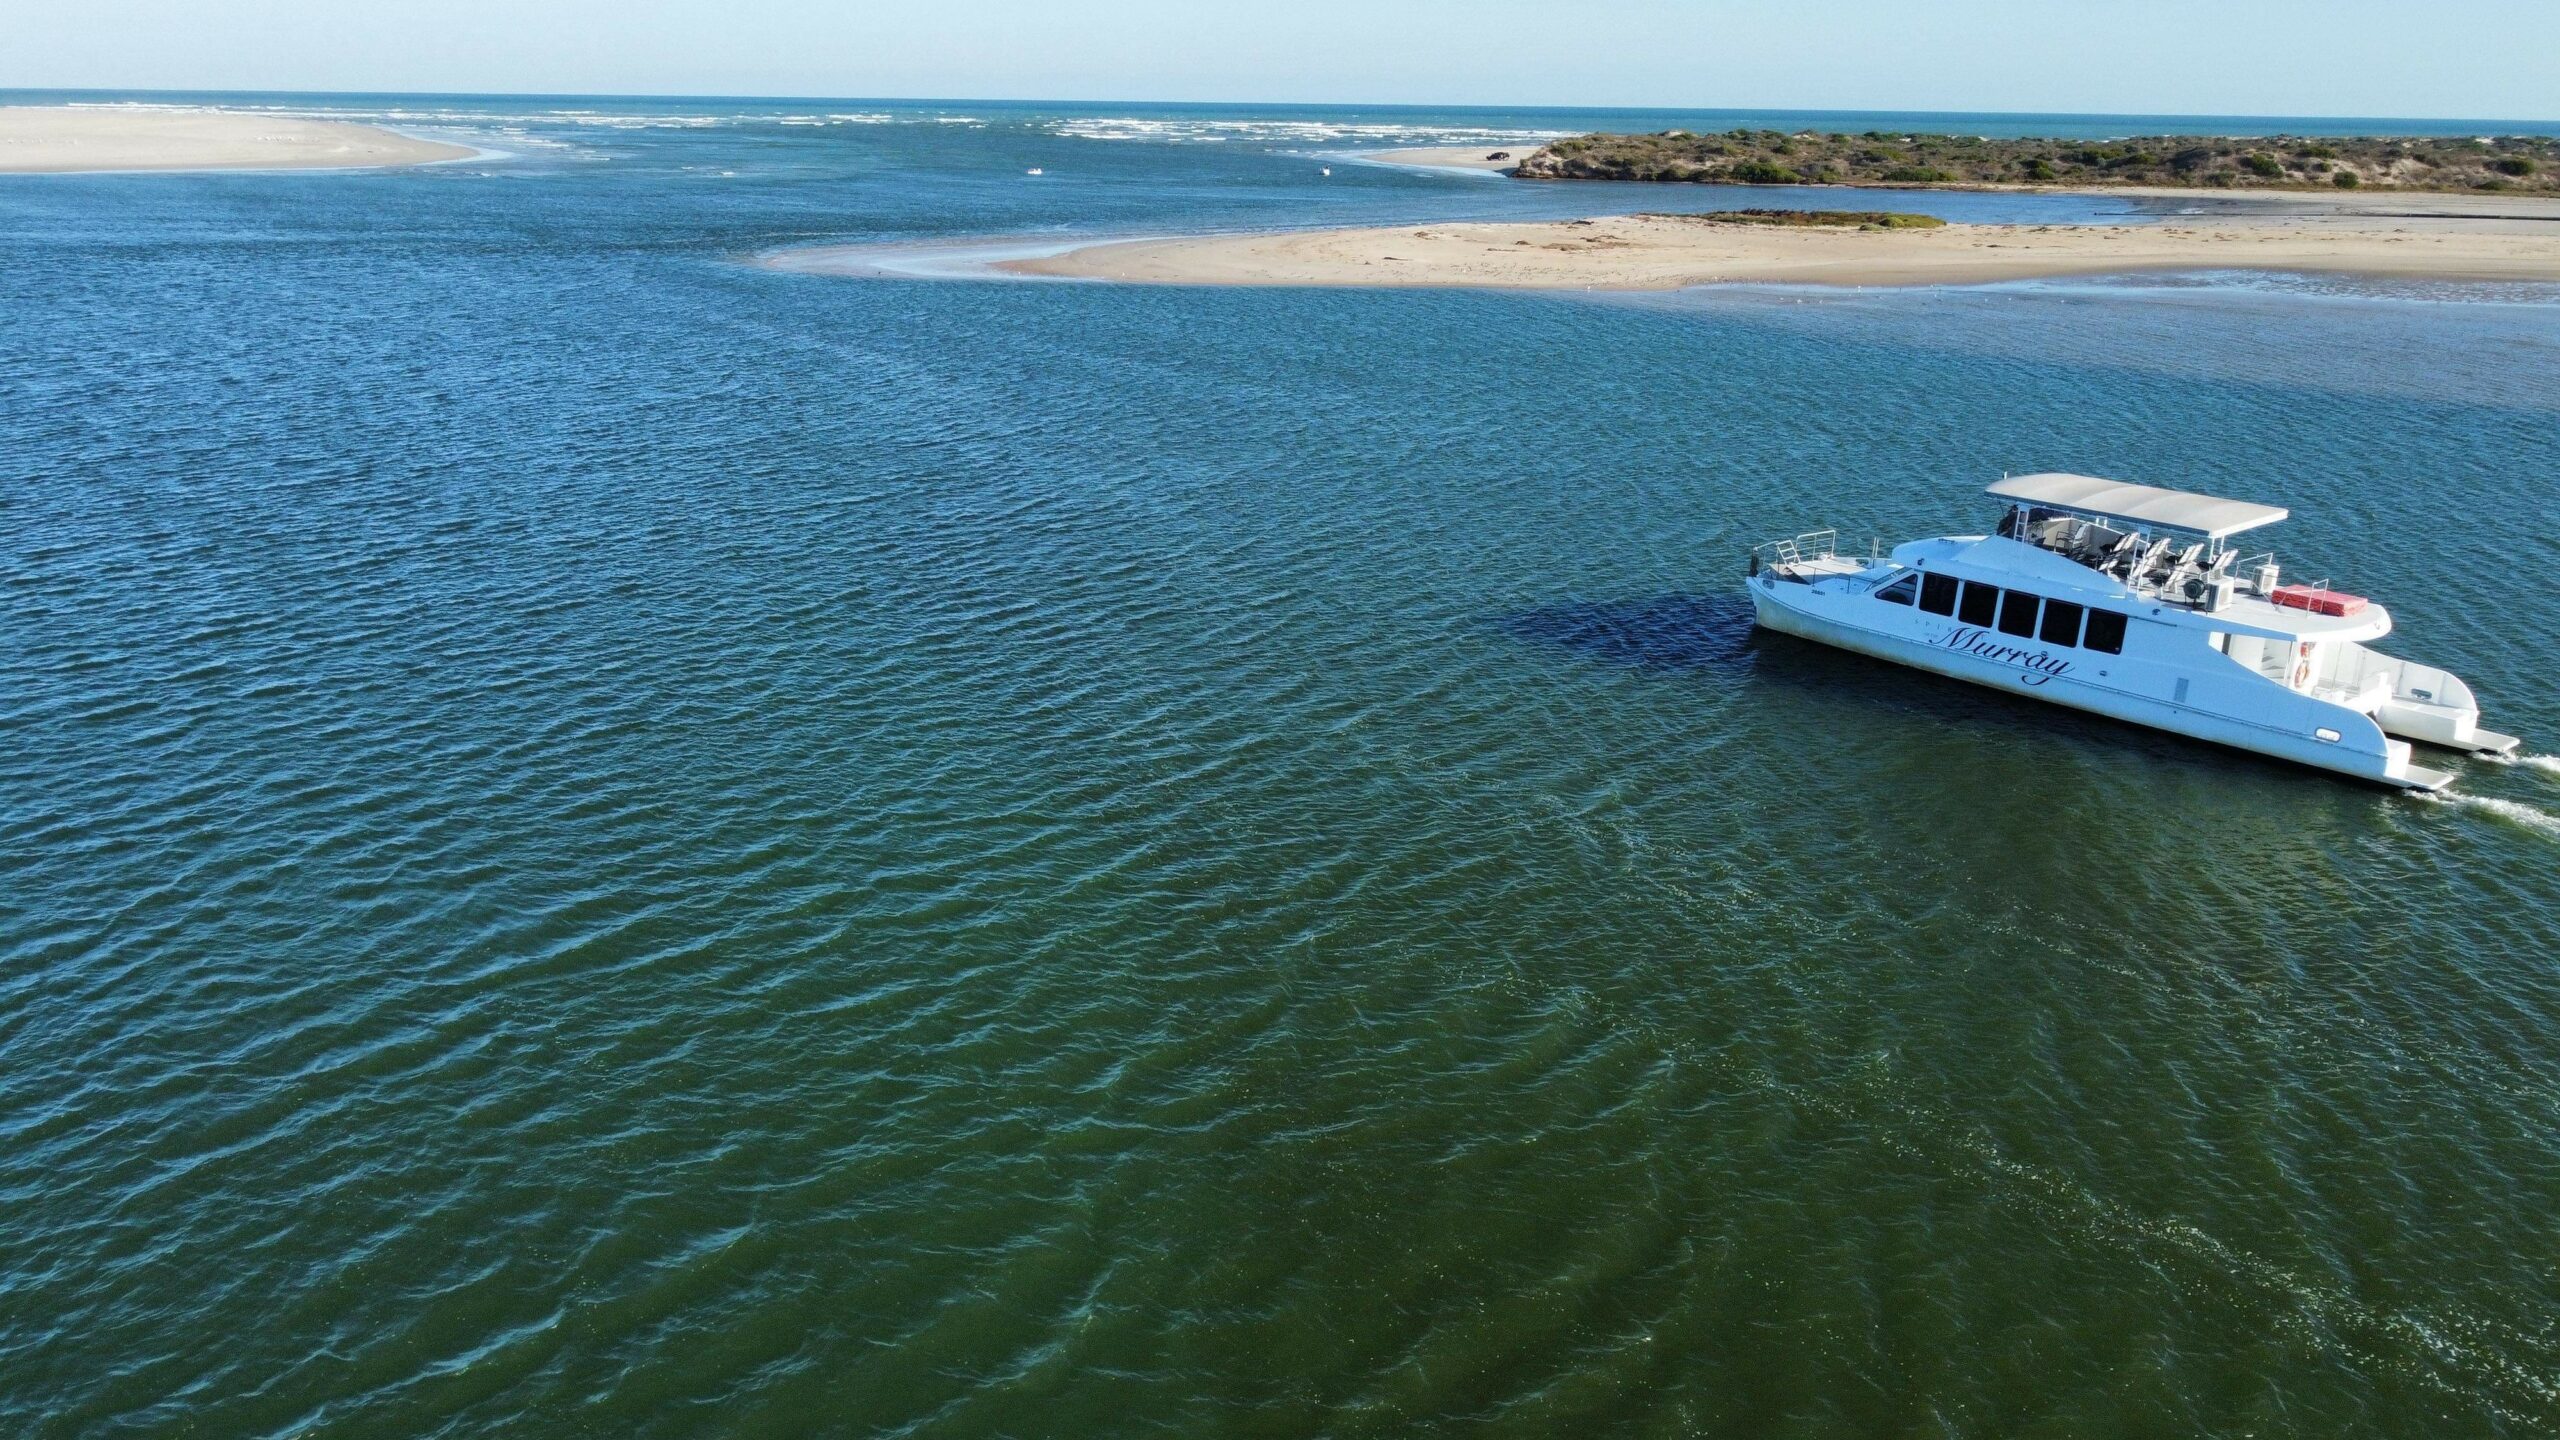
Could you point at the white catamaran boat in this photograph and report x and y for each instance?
(2129, 601)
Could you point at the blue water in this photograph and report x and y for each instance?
(602, 839)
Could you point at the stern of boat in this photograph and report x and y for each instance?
(2408, 774)
(2408, 700)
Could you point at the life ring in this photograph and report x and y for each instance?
(2302, 667)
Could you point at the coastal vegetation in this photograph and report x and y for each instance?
(2526, 163)
(1841, 219)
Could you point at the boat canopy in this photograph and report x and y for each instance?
(2207, 515)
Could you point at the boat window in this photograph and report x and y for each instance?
(2061, 623)
(2106, 632)
(1981, 602)
(1938, 594)
(1901, 591)
(2018, 614)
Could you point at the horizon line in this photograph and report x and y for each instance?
(1799, 109)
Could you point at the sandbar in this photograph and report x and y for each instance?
(2418, 240)
(1455, 157)
(80, 138)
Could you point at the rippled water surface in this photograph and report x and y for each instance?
(604, 840)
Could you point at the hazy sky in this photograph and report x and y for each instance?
(2458, 58)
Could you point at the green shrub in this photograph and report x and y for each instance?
(1841, 219)
(2345, 180)
(1769, 157)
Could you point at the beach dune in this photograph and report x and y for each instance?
(62, 138)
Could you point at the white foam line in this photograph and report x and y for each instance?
(944, 260)
(479, 153)
(2514, 812)
(1317, 131)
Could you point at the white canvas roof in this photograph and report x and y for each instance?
(2206, 515)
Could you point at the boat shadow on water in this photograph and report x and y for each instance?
(1678, 632)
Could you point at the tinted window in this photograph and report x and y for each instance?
(1981, 602)
(2018, 614)
(2106, 632)
(2061, 623)
(1938, 594)
(1900, 591)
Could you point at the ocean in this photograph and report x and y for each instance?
(603, 839)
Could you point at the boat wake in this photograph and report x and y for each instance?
(2514, 812)
(2547, 764)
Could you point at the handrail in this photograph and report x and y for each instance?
(1794, 549)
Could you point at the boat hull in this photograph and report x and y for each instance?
(1800, 610)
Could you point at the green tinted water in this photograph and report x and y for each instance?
(604, 841)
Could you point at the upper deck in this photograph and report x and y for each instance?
(2163, 548)
(2140, 507)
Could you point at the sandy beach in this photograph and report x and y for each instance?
(67, 138)
(2405, 236)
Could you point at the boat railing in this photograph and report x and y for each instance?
(1811, 546)
(2247, 567)
(1796, 549)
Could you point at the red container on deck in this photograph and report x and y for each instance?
(2318, 602)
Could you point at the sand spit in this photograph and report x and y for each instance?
(1455, 157)
(1624, 252)
(64, 138)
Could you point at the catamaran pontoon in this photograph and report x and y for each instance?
(2127, 600)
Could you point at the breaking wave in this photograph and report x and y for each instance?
(577, 117)
(1312, 132)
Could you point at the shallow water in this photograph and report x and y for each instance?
(602, 839)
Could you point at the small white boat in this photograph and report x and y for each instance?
(2129, 601)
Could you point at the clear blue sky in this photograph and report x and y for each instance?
(2266, 57)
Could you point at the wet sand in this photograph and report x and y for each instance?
(75, 138)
